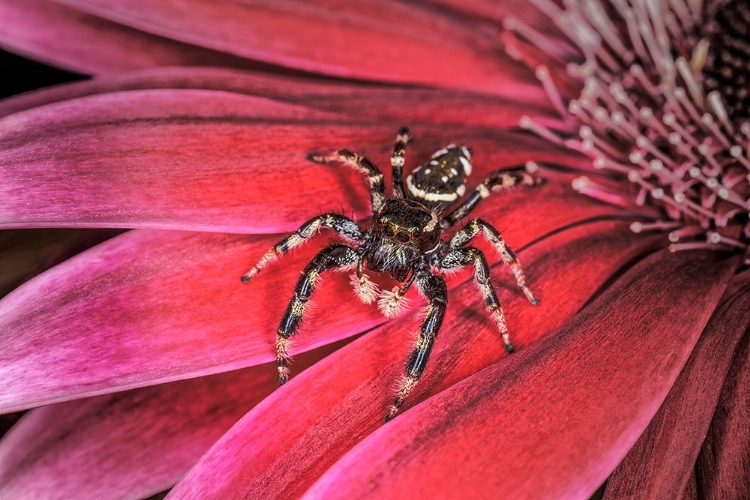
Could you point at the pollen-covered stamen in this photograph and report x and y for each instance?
(659, 84)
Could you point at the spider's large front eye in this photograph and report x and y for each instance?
(403, 237)
(388, 231)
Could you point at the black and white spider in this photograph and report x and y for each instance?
(405, 240)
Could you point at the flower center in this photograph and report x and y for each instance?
(662, 103)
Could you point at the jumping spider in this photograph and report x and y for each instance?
(405, 240)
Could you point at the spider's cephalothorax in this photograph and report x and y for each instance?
(405, 240)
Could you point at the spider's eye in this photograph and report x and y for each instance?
(402, 236)
(388, 231)
(416, 233)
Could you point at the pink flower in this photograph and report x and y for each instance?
(146, 349)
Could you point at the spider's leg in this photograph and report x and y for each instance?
(493, 235)
(397, 162)
(361, 163)
(500, 180)
(342, 225)
(331, 257)
(461, 257)
(434, 289)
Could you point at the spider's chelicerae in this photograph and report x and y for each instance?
(405, 240)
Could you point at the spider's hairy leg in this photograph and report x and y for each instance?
(397, 161)
(331, 257)
(434, 289)
(467, 256)
(361, 163)
(493, 235)
(342, 225)
(497, 181)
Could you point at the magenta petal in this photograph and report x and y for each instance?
(553, 420)
(131, 444)
(280, 448)
(663, 459)
(204, 160)
(723, 464)
(72, 39)
(149, 307)
(404, 105)
(385, 41)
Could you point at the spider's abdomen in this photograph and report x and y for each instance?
(441, 181)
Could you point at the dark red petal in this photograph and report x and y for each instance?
(361, 101)
(281, 447)
(205, 160)
(72, 39)
(553, 420)
(131, 444)
(723, 464)
(385, 41)
(154, 306)
(663, 459)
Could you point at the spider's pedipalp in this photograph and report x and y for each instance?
(467, 256)
(493, 236)
(331, 257)
(435, 290)
(361, 163)
(391, 302)
(397, 162)
(366, 289)
(500, 180)
(342, 225)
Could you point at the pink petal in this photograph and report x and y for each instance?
(72, 39)
(131, 444)
(150, 306)
(722, 466)
(205, 160)
(383, 41)
(277, 451)
(663, 459)
(405, 105)
(555, 419)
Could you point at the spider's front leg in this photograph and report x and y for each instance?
(342, 225)
(361, 163)
(493, 235)
(461, 257)
(331, 257)
(434, 289)
(500, 180)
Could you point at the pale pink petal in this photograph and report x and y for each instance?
(280, 448)
(663, 459)
(72, 39)
(383, 41)
(207, 160)
(130, 444)
(553, 420)
(723, 464)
